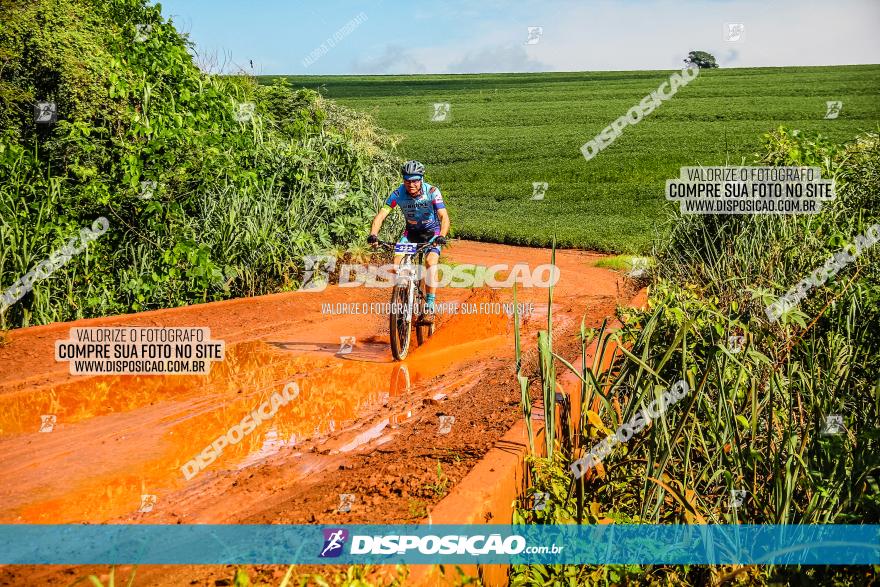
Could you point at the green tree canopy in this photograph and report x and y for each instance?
(702, 59)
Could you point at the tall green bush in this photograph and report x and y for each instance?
(239, 200)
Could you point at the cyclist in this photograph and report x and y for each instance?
(427, 220)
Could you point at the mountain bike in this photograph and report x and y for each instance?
(408, 299)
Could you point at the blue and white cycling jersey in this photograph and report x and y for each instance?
(420, 211)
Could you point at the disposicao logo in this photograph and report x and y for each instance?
(334, 541)
(472, 545)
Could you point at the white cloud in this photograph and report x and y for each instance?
(497, 59)
(655, 34)
(394, 59)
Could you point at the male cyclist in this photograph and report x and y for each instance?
(426, 220)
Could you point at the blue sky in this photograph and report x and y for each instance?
(462, 36)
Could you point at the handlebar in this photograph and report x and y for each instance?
(419, 248)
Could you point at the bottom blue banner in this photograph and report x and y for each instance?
(442, 544)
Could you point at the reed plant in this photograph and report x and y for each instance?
(782, 421)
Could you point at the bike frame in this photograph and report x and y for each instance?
(406, 270)
(407, 293)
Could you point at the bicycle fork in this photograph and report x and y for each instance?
(406, 273)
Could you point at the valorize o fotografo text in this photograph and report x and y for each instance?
(124, 350)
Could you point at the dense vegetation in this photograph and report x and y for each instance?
(213, 187)
(504, 132)
(757, 439)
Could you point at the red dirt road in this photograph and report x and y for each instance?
(361, 424)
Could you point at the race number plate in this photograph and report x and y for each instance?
(405, 248)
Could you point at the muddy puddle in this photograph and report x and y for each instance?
(99, 448)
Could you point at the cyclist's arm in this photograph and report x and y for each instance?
(440, 210)
(390, 203)
(379, 219)
(443, 215)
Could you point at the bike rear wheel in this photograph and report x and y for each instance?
(399, 323)
(424, 330)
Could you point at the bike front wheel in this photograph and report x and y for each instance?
(399, 322)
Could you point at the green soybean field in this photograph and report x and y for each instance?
(503, 133)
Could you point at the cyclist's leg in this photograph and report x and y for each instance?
(432, 254)
(431, 260)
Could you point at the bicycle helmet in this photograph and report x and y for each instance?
(412, 168)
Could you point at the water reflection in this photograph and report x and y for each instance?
(118, 438)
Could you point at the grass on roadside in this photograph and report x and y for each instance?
(626, 263)
(755, 423)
